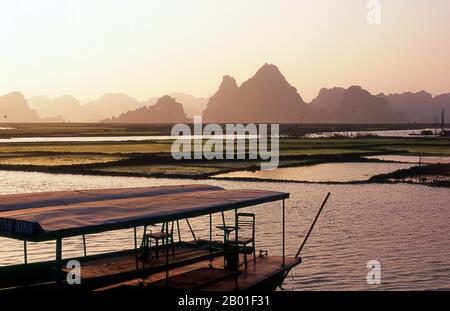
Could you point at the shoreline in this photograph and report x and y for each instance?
(412, 176)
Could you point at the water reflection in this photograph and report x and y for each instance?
(326, 172)
(386, 133)
(412, 159)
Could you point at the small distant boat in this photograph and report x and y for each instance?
(427, 133)
(162, 259)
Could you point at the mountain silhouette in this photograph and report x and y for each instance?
(324, 105)
(359, 106)
(328, 99)
(265, 98)
(443, 102)
(165, 110)
(14, 108)
(65, 107)
(192, 105)
(112, 104)
(418, 107)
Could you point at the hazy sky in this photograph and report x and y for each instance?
(148, 48)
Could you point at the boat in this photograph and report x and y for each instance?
(195, 264)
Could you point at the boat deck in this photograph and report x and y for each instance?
(113, 268)
(209, 275)
(126, 262)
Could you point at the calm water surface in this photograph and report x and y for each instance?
(326, 172)
(387, 133)
(412, 159)
(405, 227)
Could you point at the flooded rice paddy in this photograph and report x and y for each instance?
(326, 172)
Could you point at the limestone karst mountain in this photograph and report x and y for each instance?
(324, 105)
(192, 105)
(359, 106)
(66, 108)
(442, 102)
(420, 107)
(328, 99)
(165, 110)
(267, 97)
(14, 108)
(112, 104)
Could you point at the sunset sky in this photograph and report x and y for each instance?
(149, 48)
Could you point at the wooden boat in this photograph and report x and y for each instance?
(195, 264)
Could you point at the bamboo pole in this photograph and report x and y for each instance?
(312, 225)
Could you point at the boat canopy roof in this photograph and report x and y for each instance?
(51, 215)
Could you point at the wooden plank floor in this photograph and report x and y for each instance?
(255, 271)
(123, 263)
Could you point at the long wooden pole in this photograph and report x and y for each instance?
(25, 255)
(167, 253)
(236, 255)
(312, 225)
(84, 246)
(136, 255)
(210, 235)
(284, 235)
(58, 260)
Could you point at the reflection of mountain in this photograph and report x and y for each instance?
(14, 108)
(64, 107)
(165, 110)
(264, 98)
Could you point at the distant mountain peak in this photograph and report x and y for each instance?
(228, 82)
(14, 108)
(14, 96)
(424, 93)
(266, 97)
(166, 100)
(268, 68)
(165, 110)
(115, 96)
(356, 88)
(268, 72)
(328, 99)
